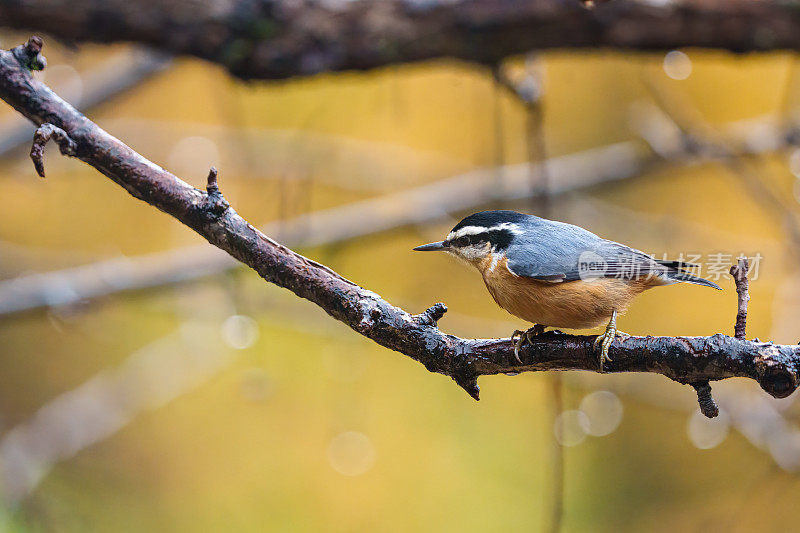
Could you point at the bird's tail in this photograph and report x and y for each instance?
(677, 271)
(688, 278)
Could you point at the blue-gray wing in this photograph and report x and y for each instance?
(556, 251)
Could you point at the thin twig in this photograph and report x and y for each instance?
(739, 272)
(526, 89)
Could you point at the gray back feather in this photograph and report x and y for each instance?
(556, 251)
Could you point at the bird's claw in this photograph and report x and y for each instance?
(605, 341)
(524, 336)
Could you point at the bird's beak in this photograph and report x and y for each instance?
(431, 247)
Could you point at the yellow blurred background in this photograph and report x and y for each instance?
(227, 404)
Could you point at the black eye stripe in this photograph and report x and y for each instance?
(499, 239)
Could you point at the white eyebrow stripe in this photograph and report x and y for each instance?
(466, 230)
(476, 230)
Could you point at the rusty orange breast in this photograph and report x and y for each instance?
(576, 304)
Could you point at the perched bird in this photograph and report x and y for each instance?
(554, 274)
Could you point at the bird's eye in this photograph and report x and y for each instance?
(461, 241)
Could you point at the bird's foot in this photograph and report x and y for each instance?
(605, 340)
(525, 337)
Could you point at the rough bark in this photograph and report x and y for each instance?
(690, 360)
(270, 39)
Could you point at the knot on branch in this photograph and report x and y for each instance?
(216, 202)
(707, 404)
(372, 315)
(777, 380)
(44, 133)
(432, 315)
(30, 55)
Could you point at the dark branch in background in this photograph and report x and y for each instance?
(684, 359)
(527, 90)
(270, 39)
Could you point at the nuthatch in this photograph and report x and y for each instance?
(554, 274)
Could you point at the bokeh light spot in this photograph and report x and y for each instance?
(351, 453)
(571, 427)
(239, 331)
(706, 433)
(603, 409)
(677, 65)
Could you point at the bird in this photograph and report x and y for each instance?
(554, 274)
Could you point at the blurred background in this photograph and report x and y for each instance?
(148, 383)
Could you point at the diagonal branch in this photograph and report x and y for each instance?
(270, 39)
(684, 359)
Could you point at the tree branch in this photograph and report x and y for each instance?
(684, 359)
(270, 39)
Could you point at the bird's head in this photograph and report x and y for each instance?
(480, 235)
